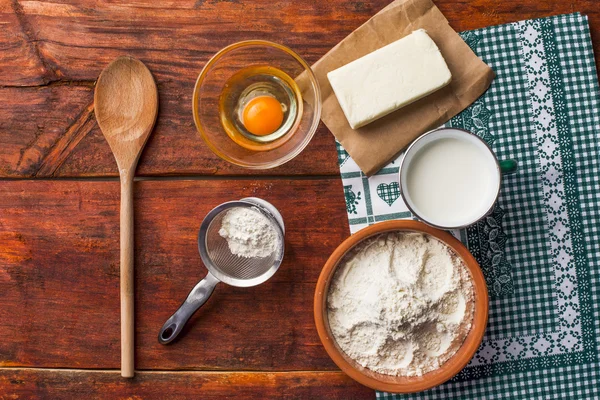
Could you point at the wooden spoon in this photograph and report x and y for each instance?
(126, 106)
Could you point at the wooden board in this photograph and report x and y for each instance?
(60, 384)
(69, 44)
(59, 267)
(20, 62)
(51, 131)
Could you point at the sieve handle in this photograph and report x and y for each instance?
(197, 297)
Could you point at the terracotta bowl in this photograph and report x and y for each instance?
(402, 384)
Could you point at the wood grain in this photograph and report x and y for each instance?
(59, 276)
(39, 127)
(75, 41)
(58, 384)
(20, 61)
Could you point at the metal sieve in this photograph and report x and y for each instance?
(222, 265)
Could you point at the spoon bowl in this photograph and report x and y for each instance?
(126, 107)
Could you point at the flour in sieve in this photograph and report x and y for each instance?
(249, 233)
(401, 304)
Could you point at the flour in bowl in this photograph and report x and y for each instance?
(400, 303)
(249, 233)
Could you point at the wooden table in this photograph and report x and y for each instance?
(59, 256)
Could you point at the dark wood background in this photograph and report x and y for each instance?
(59, 194)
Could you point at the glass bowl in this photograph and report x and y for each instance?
(212, 82)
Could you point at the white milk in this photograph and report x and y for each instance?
(452, 182)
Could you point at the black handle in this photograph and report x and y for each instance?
(197, 297)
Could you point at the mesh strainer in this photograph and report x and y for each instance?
(222, 265)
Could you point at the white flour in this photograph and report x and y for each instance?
(248, 233)
(401, 304)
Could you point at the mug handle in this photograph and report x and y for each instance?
(508, 167)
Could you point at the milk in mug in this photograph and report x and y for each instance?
(452, 180)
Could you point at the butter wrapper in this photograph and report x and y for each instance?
(376, 144)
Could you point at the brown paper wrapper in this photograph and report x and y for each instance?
(377, 143)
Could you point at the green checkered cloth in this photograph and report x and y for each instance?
(539, 247)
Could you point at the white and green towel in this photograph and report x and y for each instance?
(540, 248)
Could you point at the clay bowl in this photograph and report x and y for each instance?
(402, 384)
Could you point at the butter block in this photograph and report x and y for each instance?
(389, 78)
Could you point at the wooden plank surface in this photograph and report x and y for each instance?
(59, 239)
(20, 61)
(70, 42)
(40, 127)
(51, 131)
(59, 268)
(61, 384)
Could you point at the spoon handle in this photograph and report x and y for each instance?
(127, 277)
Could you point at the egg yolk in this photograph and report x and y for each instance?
(262, 115)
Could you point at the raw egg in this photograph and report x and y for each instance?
(262, 115)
